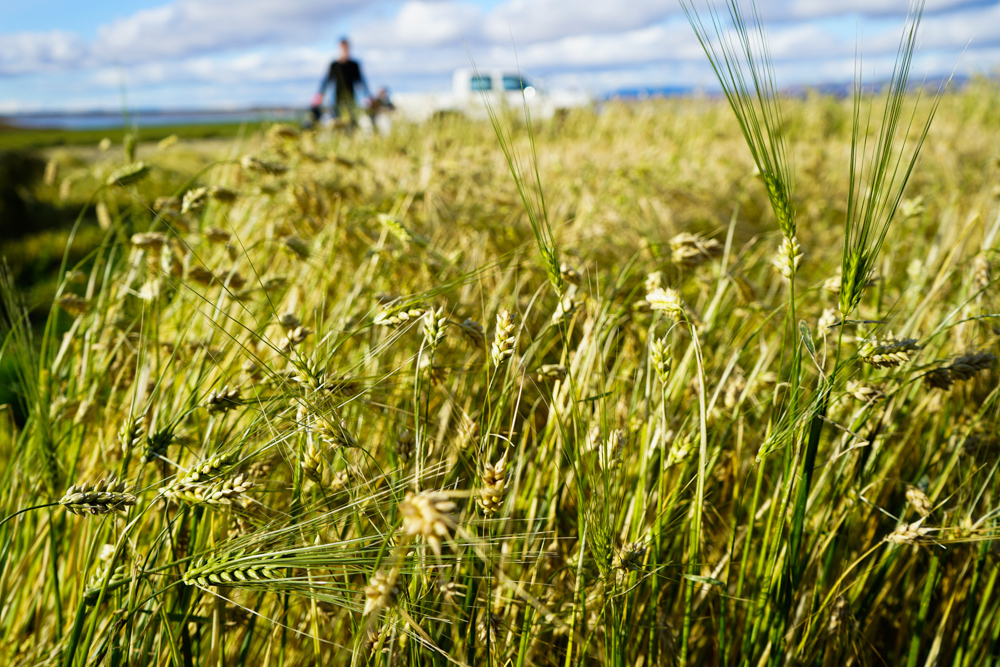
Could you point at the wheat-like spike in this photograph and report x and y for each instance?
(405, 445)
(494, 480)
(659, 352)
(130, 434)
(152, 241)
(233, 569)
(104, 497)
(396, 316)
(251, 163)
(381, 591)
(789, 256)
(668, 300)
(864, 393)
(629, 557)
(296, 336)
(888, 351)
(939, 378)
(504, 339)
(434, 328)
(919, 500)
(474, 332)
(73, 304)
(967, 365)
(222, 400)
(551, 373)
(223, 195)
(430, 514)
(331, 434)
(689, 250)
(194, 200)
(569, 274)
(567, 306)
(216, 235)
(913, 533)
(312, 463)
(130, 174)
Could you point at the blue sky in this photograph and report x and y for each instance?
(176, 54)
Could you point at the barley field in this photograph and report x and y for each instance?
(606, 389)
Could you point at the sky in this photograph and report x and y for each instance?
(67, 55)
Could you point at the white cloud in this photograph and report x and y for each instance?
(421, 23)
(29, 52)
(539, 20)
(189, 27)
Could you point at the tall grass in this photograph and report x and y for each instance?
(360, 425)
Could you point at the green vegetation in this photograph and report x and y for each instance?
(12, 138)
(325, 399)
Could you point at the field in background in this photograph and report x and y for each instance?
(351, 415)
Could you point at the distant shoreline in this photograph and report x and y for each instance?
(112, 120)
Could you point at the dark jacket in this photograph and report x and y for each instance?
(343, 77)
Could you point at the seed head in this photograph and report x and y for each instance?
(194, 200)
(129, 174)
(397, 316)
(434, 328)
(289, 321)
(333, 435)
(667, 300)
(939, 378)
(569, 274)
(221, 400)
(73, 304)
(864, 393)
(690, 250)
(220, 493)
(629, 557)
(405, 445)
(829, 318)
(381, 591)
(474, 332)
(913, 533)
(152, 241)
(130, 434)
(888, 351)
(222, 195)
(296, 246)
(966, 366)
(157, 444)
(200, 275)
(659, 353)
(295, 337)
(566, 307)
(504, 339)
(251, 163)
(551, 373)
(430, 514)
(494, 480)
(217, 235)
(919, 500)
(104, 497)
(778, 194)
(312, 463)
(789, 256)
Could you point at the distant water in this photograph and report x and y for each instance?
(103, 120)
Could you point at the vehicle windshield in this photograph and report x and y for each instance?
(481, 83)
(514, 82)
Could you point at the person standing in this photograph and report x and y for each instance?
(343, 77)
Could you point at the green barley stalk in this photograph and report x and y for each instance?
(879, 173)
(743, 66)
(533, 198)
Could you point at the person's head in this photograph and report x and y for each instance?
(345, 50)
